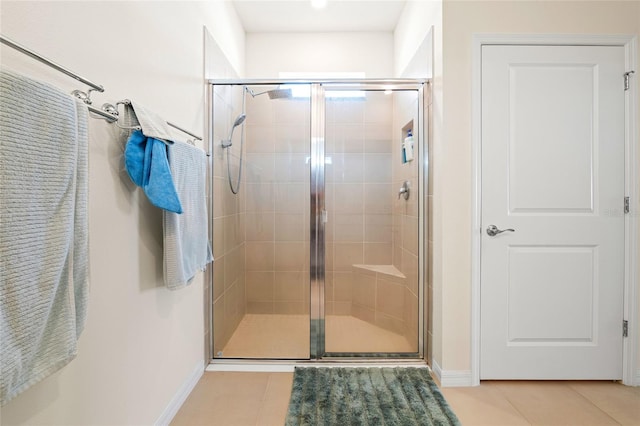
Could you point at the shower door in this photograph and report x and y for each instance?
(371, 290)
(318, 254)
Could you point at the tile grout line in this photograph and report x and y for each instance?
(506, 398)
(568, 386)
(262, 400)
(592, 403)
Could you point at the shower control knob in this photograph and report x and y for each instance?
(405, 190)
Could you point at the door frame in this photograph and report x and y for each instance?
(318, 213)
(316, 225)
(630, 374)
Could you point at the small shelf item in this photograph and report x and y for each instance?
(407, 143)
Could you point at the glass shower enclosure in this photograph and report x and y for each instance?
(317, 219)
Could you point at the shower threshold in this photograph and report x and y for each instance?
(287, 366)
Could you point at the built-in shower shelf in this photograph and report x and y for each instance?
(388, 270)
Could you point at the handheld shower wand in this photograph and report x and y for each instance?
(226, 143)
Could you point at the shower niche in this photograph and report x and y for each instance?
(317, 256)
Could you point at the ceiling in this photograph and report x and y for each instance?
(300, 16)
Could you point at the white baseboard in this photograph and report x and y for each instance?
(636, 381)
(181, 396)
(452, 379)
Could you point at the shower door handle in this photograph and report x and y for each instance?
(493, 230)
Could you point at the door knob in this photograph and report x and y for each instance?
(493, 230)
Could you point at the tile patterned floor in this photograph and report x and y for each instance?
(546, 403)
(237, 399)
(249, 399)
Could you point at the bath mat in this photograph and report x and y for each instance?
(367, 396)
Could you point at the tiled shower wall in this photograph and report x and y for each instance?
(358, 199)
(405, 212)
(277, 205)
(228, 221)
(368, 224)
(261, 238)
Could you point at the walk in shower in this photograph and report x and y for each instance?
(318, 218)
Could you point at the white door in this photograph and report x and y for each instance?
(553, 171)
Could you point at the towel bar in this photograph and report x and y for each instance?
(108, 111)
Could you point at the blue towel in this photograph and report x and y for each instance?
(147, 165)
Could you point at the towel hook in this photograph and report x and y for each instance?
(84, 96)
(113, 111)
(109, 108)
(108, 112)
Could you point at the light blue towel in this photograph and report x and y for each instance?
(44, 260)
(186, 241)
(147, 165)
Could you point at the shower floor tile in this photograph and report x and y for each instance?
(350, 334)
(287, 337)
(270, 336)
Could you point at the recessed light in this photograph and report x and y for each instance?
(319, 4)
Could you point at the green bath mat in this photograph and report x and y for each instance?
(367, 396)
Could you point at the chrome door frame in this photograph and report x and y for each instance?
(317, 220)
(376, 85)
(318, 212)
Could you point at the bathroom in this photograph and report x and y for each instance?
(134, 323)
(144, 345)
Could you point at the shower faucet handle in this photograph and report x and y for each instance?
(405, 190)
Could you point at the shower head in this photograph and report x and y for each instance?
(226, 143)
(273, 94)
(279, 94)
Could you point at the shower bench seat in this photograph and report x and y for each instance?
(380, 297)
(388, 272)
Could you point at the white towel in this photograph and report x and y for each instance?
(43, 230)
(186, 240)
(152, 125)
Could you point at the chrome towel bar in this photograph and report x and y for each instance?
(108, 112)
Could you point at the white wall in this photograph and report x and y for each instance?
(417, 23)
(142, 343)
(268, 54)
(462, 19)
